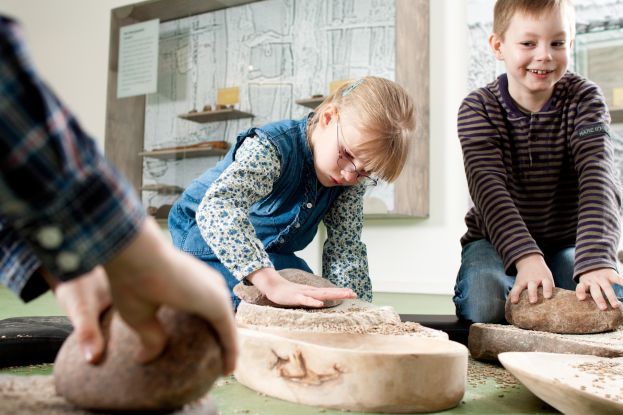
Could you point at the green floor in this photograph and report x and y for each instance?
(488, 391)
(11, 306)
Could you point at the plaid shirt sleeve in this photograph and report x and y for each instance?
(62, 205)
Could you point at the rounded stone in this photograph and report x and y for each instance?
(184, 372)
(563, 313)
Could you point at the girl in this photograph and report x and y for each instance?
(264, 201)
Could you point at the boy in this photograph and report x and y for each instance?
(539, 163)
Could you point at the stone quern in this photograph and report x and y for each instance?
(184, 372)
(563, 313)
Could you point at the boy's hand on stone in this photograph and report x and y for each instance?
(84, 299)
(599, 282)
(149, 273)
(532, 272)
(281, 291)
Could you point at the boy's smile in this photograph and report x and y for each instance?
(535, 50)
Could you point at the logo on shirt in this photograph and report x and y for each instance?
(593, 130)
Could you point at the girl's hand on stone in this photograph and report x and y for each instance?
(599, 282)
(281, 291)
(532, 272)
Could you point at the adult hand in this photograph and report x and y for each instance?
(84, 299)
(281, 291)
(599, 282)
(150, 272)
(532, 272)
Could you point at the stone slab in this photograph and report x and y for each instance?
(351, 316)
(25, 395)
(486, 341)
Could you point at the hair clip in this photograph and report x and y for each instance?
(352, 86)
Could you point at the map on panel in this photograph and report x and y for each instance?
(276, 52)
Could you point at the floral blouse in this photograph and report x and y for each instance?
(223, 222)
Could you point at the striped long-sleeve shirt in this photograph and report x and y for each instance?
(62, 205)
(542, 180)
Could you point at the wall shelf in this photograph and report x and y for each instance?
(163, 189)
(183, 154)
(203, 149)
(310, 102)
(216, 115)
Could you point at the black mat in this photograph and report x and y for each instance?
(32, 340)
(36, 340)
(458, 330)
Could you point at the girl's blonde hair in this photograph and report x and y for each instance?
(504, 10)
(385, 115)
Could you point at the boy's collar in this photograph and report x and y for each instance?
(551, 106)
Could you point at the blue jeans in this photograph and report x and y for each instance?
(482, 284)
(280, 261)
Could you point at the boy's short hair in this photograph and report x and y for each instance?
(385, 114)
(504, 11)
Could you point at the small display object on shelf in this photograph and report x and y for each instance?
(311, 102)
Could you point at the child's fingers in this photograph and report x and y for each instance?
(308, 301)
(533, 294)
(329, 293)
(548, 288)
(580, 291)
(226, 331)
(86, 326)
(515, 292)
(598, 296)
(150, 332)
(610, 295)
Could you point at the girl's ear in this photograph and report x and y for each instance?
(328, 113)
(495, 42)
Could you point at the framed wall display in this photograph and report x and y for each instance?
(227, 65)
(598, 55)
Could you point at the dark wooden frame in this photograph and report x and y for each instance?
(125, 118)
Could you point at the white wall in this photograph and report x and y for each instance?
(423, 255)
(69, 42)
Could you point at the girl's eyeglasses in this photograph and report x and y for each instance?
(347, 165)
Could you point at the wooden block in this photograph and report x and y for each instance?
(354, 372)
(486, 341)
(573, 384)
(336, 84)
(228, 96)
